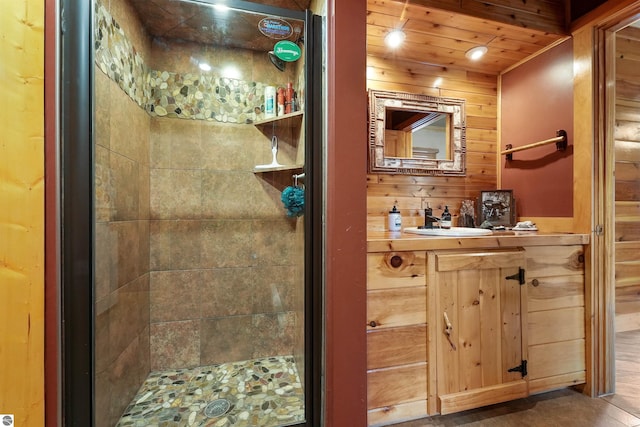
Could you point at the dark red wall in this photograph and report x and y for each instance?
(51, 226)
(537, 100)
(346, 215)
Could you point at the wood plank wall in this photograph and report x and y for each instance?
(412, 193)
(627, 179)
(22, 212)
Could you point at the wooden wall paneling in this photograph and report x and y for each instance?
(389, 386)
(396, 307)
(556, 325)
(395, 270)
(627, 274)
(22, 217)
(627, 251)
(627, 180)
(558, 358)
(396, 346)
(413, 193)
(556, 317)
(552, 293)
(628, 172)
(402, 411)
(546, 261)
(627, 308)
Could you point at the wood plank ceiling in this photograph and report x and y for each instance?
(440, 32)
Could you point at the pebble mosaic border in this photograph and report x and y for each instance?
(261, 392)
(165, 93)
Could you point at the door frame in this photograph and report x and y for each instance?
(603, 202)
(76, 206)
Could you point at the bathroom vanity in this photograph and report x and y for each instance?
(455, 323)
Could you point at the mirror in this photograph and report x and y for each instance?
(416, 134)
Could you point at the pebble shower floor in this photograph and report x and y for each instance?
(258, 392)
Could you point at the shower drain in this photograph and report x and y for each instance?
(217, 408)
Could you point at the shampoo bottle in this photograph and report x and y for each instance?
(269, 101)
(395, 220)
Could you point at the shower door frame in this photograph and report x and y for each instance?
(77, 281)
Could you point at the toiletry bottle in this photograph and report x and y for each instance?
(288, 98)
(395, 220)
(445, 221)
(269, 101)
(280, 101)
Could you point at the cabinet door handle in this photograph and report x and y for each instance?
(535, 283)
(373, 324)
(448, 330)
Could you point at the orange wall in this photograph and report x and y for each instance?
(22, 212)
(346, 213)
(537, 100)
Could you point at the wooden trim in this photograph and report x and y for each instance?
(611, 9)
(601, 25)
(557, 381)
(499, 135)
(533, 56)
(582, 188)
(432, 351)
(456, 402)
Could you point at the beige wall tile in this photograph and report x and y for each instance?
(279, 328)
(175, 344)
(125, 192)
(227, 292)
(275, 242)
(175, 194)
(176, 295)
(227, 339)
(274, 290)
(102, 123)
(129, 314)
(176, 245)
(228, 244)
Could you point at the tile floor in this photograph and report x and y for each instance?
(562, 408)
(260, 392)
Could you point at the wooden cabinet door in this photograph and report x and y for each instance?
(477, 327)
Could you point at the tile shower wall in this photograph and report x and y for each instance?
(196, 262)
(122, 238)
(223, 254)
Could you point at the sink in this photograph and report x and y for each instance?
(449, 232)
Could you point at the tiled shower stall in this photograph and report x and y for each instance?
(196, 262)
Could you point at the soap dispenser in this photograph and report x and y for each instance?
(395, 220)
(445, 222)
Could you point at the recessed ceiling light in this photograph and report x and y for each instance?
(394, 38)
(204, 66)
(476, 53)
(437, 82)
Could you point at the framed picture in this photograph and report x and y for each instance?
(497, 207)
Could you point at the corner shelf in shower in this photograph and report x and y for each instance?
(291, 121)
(278, 168)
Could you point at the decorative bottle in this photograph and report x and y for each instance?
(445, 221)
(395, 220)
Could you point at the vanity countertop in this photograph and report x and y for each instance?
(384, 241)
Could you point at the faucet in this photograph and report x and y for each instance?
(429, 219)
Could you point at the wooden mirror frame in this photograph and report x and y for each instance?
(380, 100)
